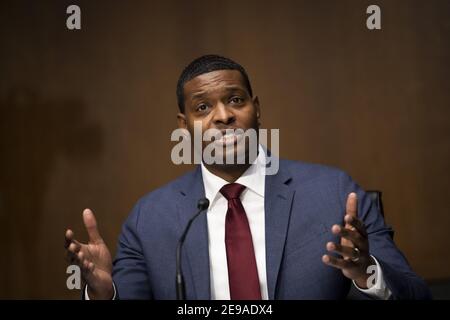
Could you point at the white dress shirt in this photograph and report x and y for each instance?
(252, 199)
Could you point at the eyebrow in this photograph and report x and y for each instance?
(201, 94)
(233, 87)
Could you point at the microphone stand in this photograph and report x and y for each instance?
(202, 205)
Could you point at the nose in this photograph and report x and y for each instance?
(223, 115)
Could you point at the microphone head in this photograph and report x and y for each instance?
(203, 204)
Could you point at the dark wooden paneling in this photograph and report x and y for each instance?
(86, 116)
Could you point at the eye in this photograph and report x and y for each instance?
(236, 100)
(202, 107)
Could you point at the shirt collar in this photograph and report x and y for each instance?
(253, 178)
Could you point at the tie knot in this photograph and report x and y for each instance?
(232, 190)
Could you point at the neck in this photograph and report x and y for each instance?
(228, 173)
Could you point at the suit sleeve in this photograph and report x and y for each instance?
(130, 273)
(398, 275)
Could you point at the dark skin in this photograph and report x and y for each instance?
(220, 100)
(93, 258)
(353, 234)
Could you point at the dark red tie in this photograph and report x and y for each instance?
(242, 270)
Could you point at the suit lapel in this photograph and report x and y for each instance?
(278, 202)
(196, 243)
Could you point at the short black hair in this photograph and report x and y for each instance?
(205, 64)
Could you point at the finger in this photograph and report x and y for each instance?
(346, 243)
(345, 252)
(357, 224)
(71, 254)
(91, 226)
(351, 209)
(336, 262)
(81, 257)
(337, 230)
(352, 205)
(73, 257)
(74, 247)
(83, 261)
(68, 237)
(350, 235)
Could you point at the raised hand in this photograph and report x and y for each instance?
(353, 247)
(93, 258)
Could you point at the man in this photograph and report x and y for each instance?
(306, 232)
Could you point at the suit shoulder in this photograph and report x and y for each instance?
(305, 171)
(167, 191)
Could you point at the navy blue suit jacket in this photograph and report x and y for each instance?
(302, 202)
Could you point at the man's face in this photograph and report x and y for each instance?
(220, 100)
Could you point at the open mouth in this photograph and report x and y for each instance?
(231, 137)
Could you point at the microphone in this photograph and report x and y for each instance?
(202, 205)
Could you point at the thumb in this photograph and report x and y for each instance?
(351, 209)
(91, 226)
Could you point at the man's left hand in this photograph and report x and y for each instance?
(353, 248)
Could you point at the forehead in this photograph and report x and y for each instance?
(214, 80)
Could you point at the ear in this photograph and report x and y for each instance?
(256, 104)
(181, 119)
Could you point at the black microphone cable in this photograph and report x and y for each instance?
(202, 205)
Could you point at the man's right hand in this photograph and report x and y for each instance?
(93, 259)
